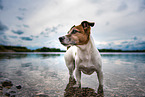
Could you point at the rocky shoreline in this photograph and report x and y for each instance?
(9, 89)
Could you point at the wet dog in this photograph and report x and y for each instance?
(82, 55)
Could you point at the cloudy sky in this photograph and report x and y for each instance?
(119, 24)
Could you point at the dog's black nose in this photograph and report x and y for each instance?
(61, 38)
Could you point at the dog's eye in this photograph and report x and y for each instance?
(74, 31)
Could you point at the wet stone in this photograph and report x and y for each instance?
(8, 89)
(7, 94)
(26, 65)
(1, 88)
(18, 86)
(40, 95)
(1, 75)
(12, 92)
(13, 95)
(19, 73)
(7, 83)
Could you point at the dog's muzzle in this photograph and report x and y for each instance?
(61, 38)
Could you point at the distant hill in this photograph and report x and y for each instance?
(113, 50)
(46, 49)
(13, 49)
(24, 49)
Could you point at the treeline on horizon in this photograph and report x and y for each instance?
(25, 49)
(47, 49)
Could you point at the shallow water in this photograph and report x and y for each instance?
(46, 73)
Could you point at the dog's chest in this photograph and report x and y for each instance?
(87, 67)
(86, 64)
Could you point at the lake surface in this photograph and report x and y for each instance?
(47, 74)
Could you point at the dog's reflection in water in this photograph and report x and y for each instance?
(71, 91)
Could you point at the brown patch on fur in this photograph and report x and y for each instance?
(77, 35)
(81, 37)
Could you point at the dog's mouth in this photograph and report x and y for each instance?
(66, 42)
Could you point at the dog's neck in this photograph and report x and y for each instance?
(86, 50)
(88, 46)
(85, 47)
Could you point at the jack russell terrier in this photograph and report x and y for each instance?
(82, 53)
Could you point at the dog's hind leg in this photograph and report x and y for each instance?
(78, 77)
(100, 78)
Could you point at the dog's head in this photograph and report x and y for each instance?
(77, 35)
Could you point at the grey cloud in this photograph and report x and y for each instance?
(48, 31)
(142, 5)
(123, 6)
(19, 32)
(1, 6)
(18, 25)
(142, 43)
(124, 42)
(13, 36)
(22, 9)
(107, 23)
(100, 12)
(26, 26)
(26, 38)
(45, 34)
(125, 45)
(133, 45)
(53, 29)
(3, 28)
(95, 1)
(34, 36)
(3, 40)
(20, 18)
(42, 33)
(135, 38)
(5, 37)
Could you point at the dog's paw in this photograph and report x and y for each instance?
(71, 78)
(100, 89)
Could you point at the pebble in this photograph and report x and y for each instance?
(7, 89)
(41, 95)
(7, 83)
(19, 87)
(1, 88)
(7, 94)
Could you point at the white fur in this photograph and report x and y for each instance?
(85, 58)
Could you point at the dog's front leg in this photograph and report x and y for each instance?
(78, 78)
(77, 73)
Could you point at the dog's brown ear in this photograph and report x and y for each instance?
(87, 24)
